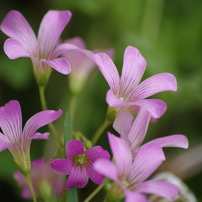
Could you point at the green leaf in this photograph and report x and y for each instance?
(71, 193)
(68, 129)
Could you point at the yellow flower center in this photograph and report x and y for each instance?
(81, 160)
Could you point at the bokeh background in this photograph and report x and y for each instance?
(169, 35)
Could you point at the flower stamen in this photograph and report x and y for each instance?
(81, 160)
(121, 98)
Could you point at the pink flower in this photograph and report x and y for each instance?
(81, 63)
(18, 141)
(79, 165)
(130, 175)
(43, 178)
(125, 91)
(133, 132)
(23, 42)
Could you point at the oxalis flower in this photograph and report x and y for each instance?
(41, 50)
(81, 63)
(129, 175)
(44, 180)
(134, 131)
(79, 164)
(18, 141)
(125, 91)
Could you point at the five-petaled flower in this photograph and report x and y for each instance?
(133, 132)
(44, 180)
(18, 141)
(79, 164)
(125, 92)
(43, 50)
(129, 175)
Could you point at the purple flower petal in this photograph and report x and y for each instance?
(133, 68)
(155, 107)
(172, 141)
(106, 168)
(44, 136)
(109, 52)
(155, 84)
(94, 175)
(26, 193)
(63, 48)
(62, 166)
(74, 148)
(121, 153)
(38, 120)
(20, 179)
(113, 101)
(4, 145)
(139, 128)
(78, 177)
(37, 162)
(77, 41)
(148, 159)
(51, 27)
(108, 70)
(58, 187)
(132, 196)
(96, 153)
(80, 59)
(14, 49)
(61, 65)
(16, 26)
(11, 121)
(123, 122)
(161, 188)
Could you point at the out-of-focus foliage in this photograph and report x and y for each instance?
(167, 32)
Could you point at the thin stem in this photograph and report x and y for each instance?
(96, 190)
(28, 179)
(100, 131)
(44, 107)
(42, 97)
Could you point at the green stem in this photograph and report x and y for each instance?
(100, 131)
(44, 107)
(42, 97)
(28, 179)
(96, 191)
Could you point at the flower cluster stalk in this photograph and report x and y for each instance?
(96, 191)
(44, 107)
(99, 131)
(29, 182)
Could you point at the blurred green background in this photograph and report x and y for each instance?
(169, 35)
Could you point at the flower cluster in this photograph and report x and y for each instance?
(129, 112)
